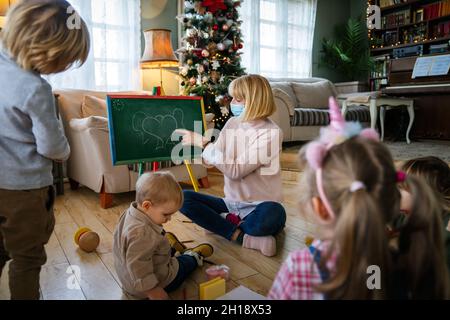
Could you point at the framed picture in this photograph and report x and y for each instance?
(418, 16)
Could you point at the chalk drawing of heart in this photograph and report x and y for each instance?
(152, 128)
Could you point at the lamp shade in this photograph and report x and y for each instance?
(4, 6)
(158, 50)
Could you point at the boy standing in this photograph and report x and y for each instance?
(35, 41)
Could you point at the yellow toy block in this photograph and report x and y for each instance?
(212, 289)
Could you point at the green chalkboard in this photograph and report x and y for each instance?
(141, 127)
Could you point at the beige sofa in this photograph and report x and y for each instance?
(90, 161)
(302, 107)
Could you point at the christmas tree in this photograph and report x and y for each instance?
(210, 56)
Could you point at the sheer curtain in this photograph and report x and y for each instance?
(113, 63)
(278, 37)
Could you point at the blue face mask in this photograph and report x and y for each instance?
(237, 109)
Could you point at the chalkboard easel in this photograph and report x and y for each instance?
(141, 127)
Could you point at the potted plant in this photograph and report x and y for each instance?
(349, 54)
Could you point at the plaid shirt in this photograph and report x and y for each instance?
(298, 276)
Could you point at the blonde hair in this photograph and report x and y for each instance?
(360, 229)
(38, 38)
(159, 188)
(257, 93)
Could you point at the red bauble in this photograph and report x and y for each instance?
(235, 47)
(215, 27)
(240, 46)
(229, 15)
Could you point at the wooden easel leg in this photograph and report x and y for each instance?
(204, 182)
(73, 184)
(191, 175)
(106, 199)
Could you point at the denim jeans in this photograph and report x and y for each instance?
(268, 218)
(187, 264)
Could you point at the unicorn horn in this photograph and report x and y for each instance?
(337, 122)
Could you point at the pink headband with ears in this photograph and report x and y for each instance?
(337, 132)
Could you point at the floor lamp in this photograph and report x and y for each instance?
(158, 53)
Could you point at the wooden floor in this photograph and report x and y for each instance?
(73, 274)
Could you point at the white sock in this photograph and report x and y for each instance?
(197, 257)
(224, 214)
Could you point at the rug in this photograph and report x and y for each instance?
(401, 151)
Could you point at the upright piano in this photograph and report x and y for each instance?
(431, 98)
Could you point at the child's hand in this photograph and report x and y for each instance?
(191, 138)
(157, 293)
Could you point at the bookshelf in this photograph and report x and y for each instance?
(408, 27)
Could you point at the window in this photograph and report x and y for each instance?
(278, 37)
(113, 63)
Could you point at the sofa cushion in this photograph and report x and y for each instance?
(321, 117)
(286, 98)
(93, 106)
(313, 95)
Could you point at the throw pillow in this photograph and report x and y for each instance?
(313, 95)
(93, 106)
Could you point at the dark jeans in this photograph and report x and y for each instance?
(268, 218)
(187, 265)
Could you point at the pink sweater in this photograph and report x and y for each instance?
(248, 155)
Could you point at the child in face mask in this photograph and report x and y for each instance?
(247, 152)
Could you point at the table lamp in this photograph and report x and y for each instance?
(4, 6)
(158, 53)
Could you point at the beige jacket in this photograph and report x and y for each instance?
(142, 254)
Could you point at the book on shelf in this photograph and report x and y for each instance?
(396, 19)
(388, 3)
(436, 10)
(379, 74)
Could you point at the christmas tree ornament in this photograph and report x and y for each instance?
(215, 27)
(190, 62)
(188, 5)
(205, 79)
(192, 81)
(200, 68)
(220, 46)
(225, 27)
(212, 48)
(215, 65)
(227, 43)
(209, 17)
(199, 8)
(240, 45)
(205, 53)
(184, 71)
(215, 76)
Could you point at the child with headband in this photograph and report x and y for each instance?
(350, 187)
